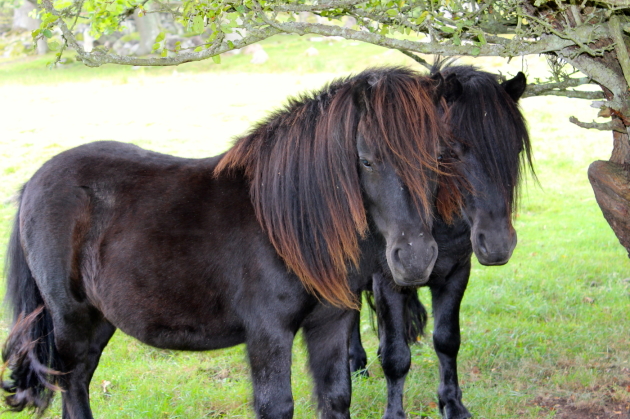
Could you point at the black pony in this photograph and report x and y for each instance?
(491, 151)
(248, 246)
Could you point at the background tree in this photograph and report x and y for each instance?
(588, 35)
(23, 20)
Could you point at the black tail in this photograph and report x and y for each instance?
(415, 315)
(29, 352)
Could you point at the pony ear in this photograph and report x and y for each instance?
(448, 88)
(516, 86)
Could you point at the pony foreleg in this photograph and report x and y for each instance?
(446, 340)
(393, 348)
(269, 354)
(356, 352)
(327, 331)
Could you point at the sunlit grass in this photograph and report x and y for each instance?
(552, 323)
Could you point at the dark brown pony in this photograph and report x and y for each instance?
(249, 246)
(491, 151)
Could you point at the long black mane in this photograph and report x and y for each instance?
(301, 163)
(487, 121)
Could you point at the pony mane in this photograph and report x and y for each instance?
(487, 121)
(301, 164)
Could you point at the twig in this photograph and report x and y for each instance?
(417, 59)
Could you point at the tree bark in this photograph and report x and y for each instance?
(611, 184)
(22, 21)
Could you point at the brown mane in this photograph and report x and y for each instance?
(301, 163)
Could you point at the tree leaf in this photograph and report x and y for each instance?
(197, 24)
(475, 51)
(47, 33)
(216, 59)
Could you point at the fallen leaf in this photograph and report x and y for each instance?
(104, 385)
(433, 405)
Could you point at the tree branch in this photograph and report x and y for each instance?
(98, 58)
(561, 89)
(614, 125)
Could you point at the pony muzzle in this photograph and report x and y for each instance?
(411, 262)
(492, 248)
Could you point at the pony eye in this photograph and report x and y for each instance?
(366, 163)
(440, 157)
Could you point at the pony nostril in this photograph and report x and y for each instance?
(396, 256)
(432, 252)
(481, 241)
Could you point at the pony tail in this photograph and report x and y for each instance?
(29, 352)
(415, 316)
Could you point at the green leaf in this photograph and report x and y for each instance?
(160, 37)
(36, 32)
(456, 39)
(49, 19)
(156, 46)
(53, 45)
(230, 44)
(475, 51)
(392, 12)
(216, 59)
(47, 33)
(422, 17)
(199, 48)
(482, 39)
(164, 52)
(447, 29)
(197, 24)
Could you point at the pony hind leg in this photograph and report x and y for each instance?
(327, 331)
(81, 362)
(356, 352)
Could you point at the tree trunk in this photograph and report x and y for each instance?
(148, 28)
(22, 21)
(610, 181)
(611, 184)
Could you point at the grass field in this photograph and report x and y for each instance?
(547, 335)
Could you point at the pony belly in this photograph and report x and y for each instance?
(193, 335)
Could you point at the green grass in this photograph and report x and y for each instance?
(552, 323)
